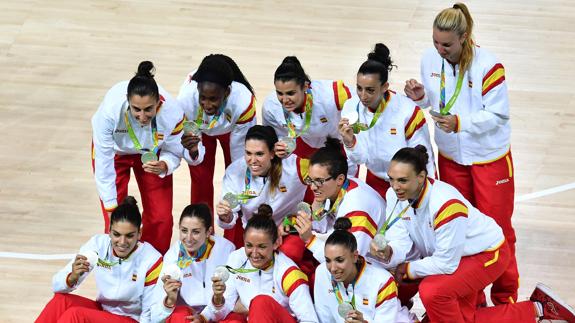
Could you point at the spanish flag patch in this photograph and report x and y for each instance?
(134, 277)
(323, 120)
(365, 301)
(393, 131)
(282, 188)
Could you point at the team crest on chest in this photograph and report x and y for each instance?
(365, 301)
(282, 188)
(134, 277)
(393, 131)
(323, 119)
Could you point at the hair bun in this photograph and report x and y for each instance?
(146, 69)
(265, 211)
(381, 54)
(332, 144)
(343, 224)
(130, 200)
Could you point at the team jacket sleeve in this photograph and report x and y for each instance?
(171, 152)
(150, 297)
(213, 313)
(103, 154)
(295, 287)
(247, 119)
(363, 228)
(320, 297)
(229, 184)
(59, 280)
(495, 103)
(341, 94)
(387, 304)
(417, 133)
(450, 225)
(316, 246)
(159, 312)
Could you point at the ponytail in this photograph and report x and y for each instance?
(143, 83)
(341, 235)
(291, 70)
(222, 70)
(378, 62)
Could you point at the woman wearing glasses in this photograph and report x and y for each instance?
(382, 121)
(369, 291)
(126, 272)
(196, 255)
(336, 196)
(137, 127)
(465, 86)
(220, 101)
(265, 283)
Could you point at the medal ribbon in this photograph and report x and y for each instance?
(243, 270)
(307, 108)
(184, 257)
(245, 195)
(358, 127)
(339, 296)
(135, 140)
(443, 108)
(320, 213)
(213, 120)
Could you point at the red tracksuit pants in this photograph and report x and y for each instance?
(157, 197)
(380, 185)
(202, 190)
(491, 189)
(263, 308)
(453, 298)
(77, 309)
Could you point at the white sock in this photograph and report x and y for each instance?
(539, 309)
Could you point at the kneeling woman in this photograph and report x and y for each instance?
(460, 250)
(126, 272)
(370, 292)
(264, 280)
(194, 257)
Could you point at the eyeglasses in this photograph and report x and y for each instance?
(317, 182)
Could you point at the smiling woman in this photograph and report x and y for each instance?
(138, 126)
(348, 288)
(268, 286)
(218, 98)
(196, 255)
(261, 177)
(116, 254)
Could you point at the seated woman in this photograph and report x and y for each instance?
(336, 196)
(264, 280)
(369, 291)
(194, 256)
(461, 250)
(126, 272)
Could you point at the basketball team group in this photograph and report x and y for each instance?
(306, 240)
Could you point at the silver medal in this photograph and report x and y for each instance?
(232, 200)
(222, 273)
(380, 241)
(290, 142)
(304, 207)
(173, 271)
(192, 127)
(149, 157)
(343, 309)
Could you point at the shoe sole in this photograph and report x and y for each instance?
(555, 298)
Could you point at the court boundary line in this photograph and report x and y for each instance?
(519, 199)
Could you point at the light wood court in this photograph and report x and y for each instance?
(58, 58)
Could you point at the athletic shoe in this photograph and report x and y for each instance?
(553, 307)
